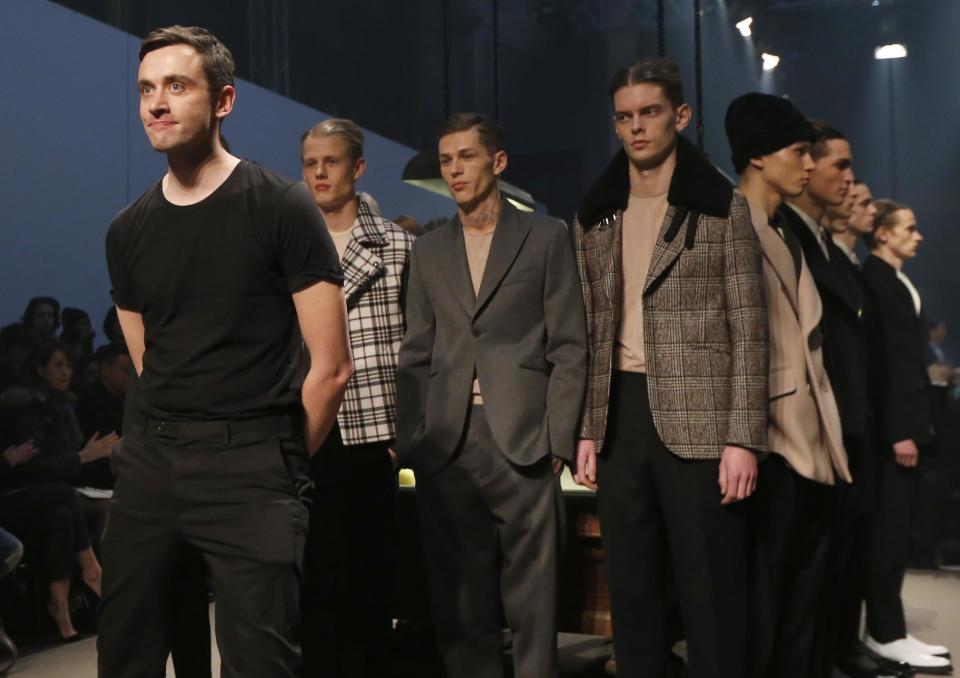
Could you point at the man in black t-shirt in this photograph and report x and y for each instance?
(214, 269)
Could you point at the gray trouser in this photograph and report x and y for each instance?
(490, 539)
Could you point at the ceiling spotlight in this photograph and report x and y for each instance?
(894, 51)
(770, 61)
(744, 26)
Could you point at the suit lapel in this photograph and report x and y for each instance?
(825, 272)
(456, 269)
(665, 253)
(776, 252)
(509, 236)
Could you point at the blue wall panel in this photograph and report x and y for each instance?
(74, 152)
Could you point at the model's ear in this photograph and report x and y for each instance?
(359, 169)
(499, 162)
(684, 114)
(225, 100)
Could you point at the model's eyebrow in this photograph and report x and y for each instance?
(174, 77)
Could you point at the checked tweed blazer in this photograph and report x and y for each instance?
(704, 317)
(375, 270)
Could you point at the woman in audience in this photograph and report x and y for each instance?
(42, 318)
(47, 515)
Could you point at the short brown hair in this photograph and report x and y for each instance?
(823, 133)
(218, 63)
(886, 218)
(347, 130)
(490, 133)
(662, 72)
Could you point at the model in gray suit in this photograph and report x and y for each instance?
(490, 384)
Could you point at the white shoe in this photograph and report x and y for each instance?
(935, 650)
(902, 650)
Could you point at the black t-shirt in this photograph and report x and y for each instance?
(213, 281)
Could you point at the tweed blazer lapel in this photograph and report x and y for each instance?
(507, 240)
(667, 250)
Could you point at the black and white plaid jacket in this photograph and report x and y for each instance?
(374, 268)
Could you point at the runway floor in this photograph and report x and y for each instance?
(932, 601)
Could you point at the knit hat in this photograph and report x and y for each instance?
(760, 124)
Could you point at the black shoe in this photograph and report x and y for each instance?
(888, 666)
(859, 665)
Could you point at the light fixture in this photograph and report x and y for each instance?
(744, 27)
(894, 51)
(423, 171)
(770, 61)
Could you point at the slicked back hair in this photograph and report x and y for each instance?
(218, 63)
(490, 133)
(662, 72)
(886, 217)
(822, 134)
(347, 130)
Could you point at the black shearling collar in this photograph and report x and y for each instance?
(696, 185)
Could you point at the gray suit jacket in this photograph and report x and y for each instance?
(524, 335)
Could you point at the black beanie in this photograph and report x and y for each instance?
(760, 124)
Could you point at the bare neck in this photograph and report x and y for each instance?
(760, 192)
(483, 215)
(809, 205)
(341, 218)
(650, 181)
(194, 174)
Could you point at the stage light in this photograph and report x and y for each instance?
(894, 51)
(744, 27)
(770, 61)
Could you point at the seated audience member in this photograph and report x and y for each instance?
(86, 375)
(100, 408)
(77, 333)
(42, 412)
(111, 327)
(42, 318)
(16, 346)
(48, 515)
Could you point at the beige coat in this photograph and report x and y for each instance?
(804, 423)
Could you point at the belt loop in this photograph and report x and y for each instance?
(227, 431)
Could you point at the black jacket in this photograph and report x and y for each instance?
(47, 418)
(898, 334)
(843, 325)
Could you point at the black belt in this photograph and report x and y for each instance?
(217, 429)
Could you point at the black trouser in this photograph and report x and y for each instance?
(647, 492)
(235, 491)
(791, 521)
(190, 635)
(891, 539)
(49, 515)
(844, 587)
(490, 537)
(349, 562)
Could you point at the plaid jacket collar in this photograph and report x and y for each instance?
(368, 229)
(362, 260)
(696, 185)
